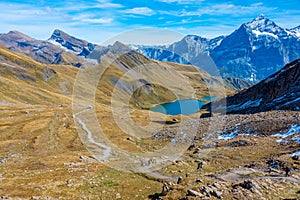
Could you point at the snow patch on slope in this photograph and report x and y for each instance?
(293, 101)
(257, 33)
(228, 136)
(293, 130)
(245, 105)
(297, 153)
(58, 44)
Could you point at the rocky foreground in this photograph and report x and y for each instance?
(41, 157)
(245, 157)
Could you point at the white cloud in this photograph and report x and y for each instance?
(140, 11)
(228, 8)
(86, 18)
(98, 20)
(107, 4)
(22, 13)
(181, 1)
(101, 4)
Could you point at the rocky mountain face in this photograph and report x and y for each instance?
(41, 51)
(81, 47)
(279, 91)
(256, 50)
(253, 52)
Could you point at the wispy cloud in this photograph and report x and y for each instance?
(227, 9)
(182, 1)
(107, 4)
(101, 4)
(93, 20)
(140, 11)
(18, 13)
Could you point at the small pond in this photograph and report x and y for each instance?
(185, 107)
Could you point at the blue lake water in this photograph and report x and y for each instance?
(185, 107)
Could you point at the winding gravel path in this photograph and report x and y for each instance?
(90, 137)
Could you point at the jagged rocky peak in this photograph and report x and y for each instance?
(72, 43)
(56, 34)
(61, 36)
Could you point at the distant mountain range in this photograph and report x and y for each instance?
(254, 51)
(62, 48)
(279, 91)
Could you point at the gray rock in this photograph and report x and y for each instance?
(249, 184)
(217, 194)
(194, 193)
(199, 181)
(206, 190)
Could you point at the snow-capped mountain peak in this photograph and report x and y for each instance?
(263, 24)
(254, 51)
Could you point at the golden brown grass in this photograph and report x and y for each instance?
(40, 148)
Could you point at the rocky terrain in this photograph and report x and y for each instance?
(41, 157)
(241, 159)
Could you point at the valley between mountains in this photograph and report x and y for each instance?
(55, 94)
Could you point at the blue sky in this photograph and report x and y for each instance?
(99, 20)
